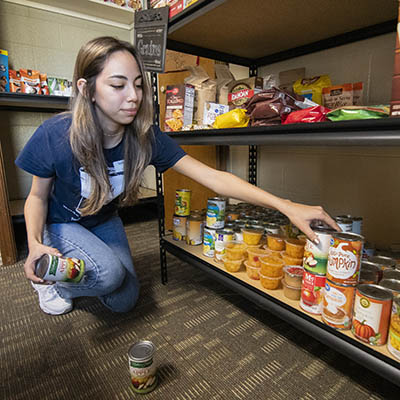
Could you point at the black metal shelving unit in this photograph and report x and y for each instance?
(32, 102)
(208, 29)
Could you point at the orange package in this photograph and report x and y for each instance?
(30, 81)
(15, 81)
(44, 88)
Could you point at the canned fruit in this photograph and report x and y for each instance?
(295, 247)
(232, 265)
(344, 258)
(194, 229)
(179, 228)
(316, 255)
(372, 308)
(252, 272)
(235, 250)
(312, 290)
(291, 292)
(271, 266)
(222, 236)
(293, 275)
(209, 242)
(254, 255)
(289, 260)
(215, 213)
(275, 242)
(62, 269)
(252, 236)
(268, 282)
(182, 202)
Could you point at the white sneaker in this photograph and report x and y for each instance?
(50, 301)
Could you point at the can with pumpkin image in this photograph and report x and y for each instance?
(344, 258)
(371, 314)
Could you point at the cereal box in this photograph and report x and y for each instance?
(179, 107)
(4, 82)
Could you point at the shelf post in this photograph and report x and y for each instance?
(159, 188)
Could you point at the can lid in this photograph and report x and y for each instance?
(352, 237)
(375, 291)
(391, 284)
(42, 265)
(387, 261)
(142, 351)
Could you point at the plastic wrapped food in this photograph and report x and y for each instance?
(312, 114)
(236, 118)
(357, 112)
(311, 88)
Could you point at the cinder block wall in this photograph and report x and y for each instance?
(362, 181)
(48, 42)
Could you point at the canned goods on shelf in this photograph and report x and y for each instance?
(209, 241)
(393, 344)
(182, 202)
(215, 213)
(345, 224)
(222, 236)
(384, 261)
(312, 289)
(179, 227)
(194, 228)
(371, 314)
(344, 258)
(316, 255)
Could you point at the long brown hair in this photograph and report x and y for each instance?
(86, 137)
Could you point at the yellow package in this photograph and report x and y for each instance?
(311, 88)
(236, 118)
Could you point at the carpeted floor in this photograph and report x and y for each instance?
(211, 343)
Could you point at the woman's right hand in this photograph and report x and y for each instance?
(35, 252)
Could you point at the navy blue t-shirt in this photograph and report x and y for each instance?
(48, 154)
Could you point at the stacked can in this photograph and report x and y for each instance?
(315, 263)
(181, 213)
(215, 220)
(342, 277)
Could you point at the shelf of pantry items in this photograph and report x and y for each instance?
(262, 32)
(92, 10)
(378, 359)
(371, 132)
(32, 102)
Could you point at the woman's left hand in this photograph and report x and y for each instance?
(302, 215)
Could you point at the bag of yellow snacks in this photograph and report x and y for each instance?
(236, 118)
(311, 88)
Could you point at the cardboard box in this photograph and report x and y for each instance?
(212, 110)
(290, 76)
(176, 61)
(179, 103)
(4, 80)
(242, 90)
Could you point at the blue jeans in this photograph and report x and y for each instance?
(109, 271)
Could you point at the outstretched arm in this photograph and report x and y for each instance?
(35, 212)
(229, 185)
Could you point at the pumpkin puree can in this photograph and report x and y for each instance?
(393, 344)
(344, 258)
(371, 315)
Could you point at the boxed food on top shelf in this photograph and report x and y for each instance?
(59, 86)
(212, 110)
(4, 82)
(348, 94)
(242, 90)
(179, 107)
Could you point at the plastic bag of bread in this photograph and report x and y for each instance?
(236, 118)
(311, 88)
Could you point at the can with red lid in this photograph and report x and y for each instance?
(312, 289)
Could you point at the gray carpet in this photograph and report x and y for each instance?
(211, 343)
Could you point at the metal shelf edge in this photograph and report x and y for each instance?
(320, 332)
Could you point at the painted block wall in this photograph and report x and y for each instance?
(48, 42)
(362, 181)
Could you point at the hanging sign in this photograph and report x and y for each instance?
(151, 28)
